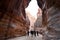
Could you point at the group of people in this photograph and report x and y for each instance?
(33, 33)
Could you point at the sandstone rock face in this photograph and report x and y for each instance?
(53, 24)
(38, 22)
(16, 27)
(13, 22)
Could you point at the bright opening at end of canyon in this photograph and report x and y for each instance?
(32, 12)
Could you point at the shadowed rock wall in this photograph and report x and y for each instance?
(12, 18)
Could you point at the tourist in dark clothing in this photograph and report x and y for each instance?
(28, 33)
(31, 33)
(37, 33)
(34, 33)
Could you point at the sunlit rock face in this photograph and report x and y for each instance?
(38, 22)
(31, 12)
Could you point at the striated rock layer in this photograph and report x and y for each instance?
(13, 21)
